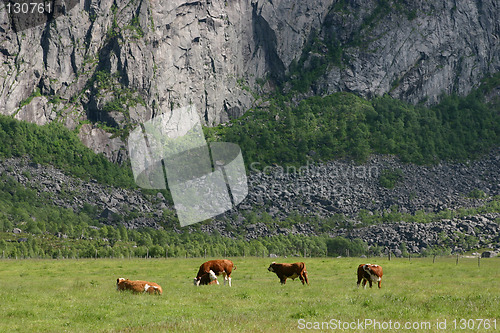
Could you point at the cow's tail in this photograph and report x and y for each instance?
(234, 267)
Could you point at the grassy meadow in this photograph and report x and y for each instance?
(81, 296)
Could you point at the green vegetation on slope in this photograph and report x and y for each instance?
(344, 125)
(49, 231)
(56, 145)
(318, 129)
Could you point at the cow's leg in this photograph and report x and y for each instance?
(225, 277)
(359, 281)
(364, 283)
(283, 280)
(370, 283)
(229, 280)
(380, 283)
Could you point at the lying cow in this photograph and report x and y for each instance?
(369, 273)
(208, 278)
(222, 266)
(292, 271)
(138, 286)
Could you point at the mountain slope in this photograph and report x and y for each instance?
(119, 63)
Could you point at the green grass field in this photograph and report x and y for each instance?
(81, 296)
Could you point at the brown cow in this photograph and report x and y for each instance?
(370, 273)
(221, 266)
(138, 286)
(292, 271)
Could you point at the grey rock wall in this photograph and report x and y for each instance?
(417, 50)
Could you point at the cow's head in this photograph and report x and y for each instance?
(271, 267)
(207, 278)
(368, 268)
(119, 283)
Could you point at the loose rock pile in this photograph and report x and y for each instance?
(337, 187)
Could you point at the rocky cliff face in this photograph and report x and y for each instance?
(414, 50)
(120, 63)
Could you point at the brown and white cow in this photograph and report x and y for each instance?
(220, 266)
(370, 273)
(138, 286)
(292, 271)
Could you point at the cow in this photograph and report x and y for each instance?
(292, 271)
(138, 286)
(208, 278)
(369, 273)
(220, 266)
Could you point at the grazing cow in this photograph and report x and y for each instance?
(222, 266)
(292, 271)
(138, 286)
(369, 273)
(207, 278)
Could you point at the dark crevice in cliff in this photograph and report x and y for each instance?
(44, 42)
(265, 38)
